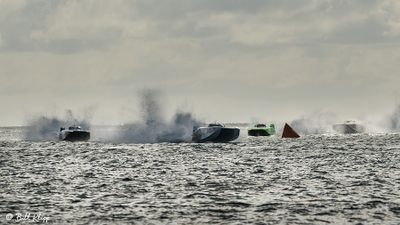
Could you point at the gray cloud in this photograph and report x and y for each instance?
(304, 54)
(69, 26)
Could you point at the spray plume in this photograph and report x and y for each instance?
(153, 128)
(316, 123)
(393, 120)
(43, 128)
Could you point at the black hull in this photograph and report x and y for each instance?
(218, 134)
(211, 138)
(257, 133)
(227, 135)
(77, 136)
(348, 128)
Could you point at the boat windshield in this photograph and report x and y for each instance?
(74, 128)
(260, 125)
(215, 125)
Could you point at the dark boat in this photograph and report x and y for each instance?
(349, 127)
(215, 133)
(261, 130)
(74, 133)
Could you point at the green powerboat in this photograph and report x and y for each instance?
(261, 130)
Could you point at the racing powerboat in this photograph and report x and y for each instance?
(349, 127)
(74, 133)
(215, 132)
(261, 130)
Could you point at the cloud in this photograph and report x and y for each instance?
(8, 7)
(1, 40)
(318, 53)
(69, 26)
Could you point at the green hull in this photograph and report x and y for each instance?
(261, 130)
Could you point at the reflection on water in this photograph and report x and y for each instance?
(315, 179)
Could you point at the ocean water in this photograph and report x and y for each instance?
(320, 179)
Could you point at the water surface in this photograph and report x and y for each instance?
(312, 180)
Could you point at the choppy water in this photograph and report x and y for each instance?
(313, 180)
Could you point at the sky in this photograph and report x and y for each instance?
(222, 60)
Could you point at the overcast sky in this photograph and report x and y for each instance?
(224, 60)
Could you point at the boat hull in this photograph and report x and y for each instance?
(215, 134)
(227, 135)
(349, 128)
(258, 132)
(75, 136)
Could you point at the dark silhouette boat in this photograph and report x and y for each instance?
(215, 132)
(349, 127)
(74, 133)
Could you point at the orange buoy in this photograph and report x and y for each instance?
(288, 132)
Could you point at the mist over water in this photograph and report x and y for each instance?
(393, 121)
(153, 127)
(44, 128)
(316, 123)
(321, 123)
